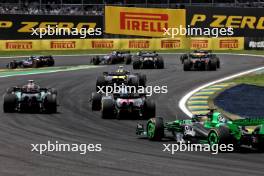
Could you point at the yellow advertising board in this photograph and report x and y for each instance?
(228, 43)
(142, 21)
(234, 43)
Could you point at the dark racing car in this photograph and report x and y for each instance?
(148, 60)
(123, 105)
(119, 77)
(115, 57)
(32, 62)
(211, 128)
(30, 98)
(200, 60)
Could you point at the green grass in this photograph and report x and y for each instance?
(73, 52)
(253, 79)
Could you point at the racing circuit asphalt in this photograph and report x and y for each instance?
(123, 152)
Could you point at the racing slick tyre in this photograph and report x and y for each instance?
(100, 82)
(155, 129)
(142, 79)
(134, 81)
(159, 63)
(136, 64)
(35, 64)
(107, 109)
(186, 65)
(53, 91)
(211, 66)
(149, 109)
(96, 101)
(221, 135)
(10, 90)
(127, 60)
(12, 65)
(51, 103)
(96, 60)
(9, 103)
(51, 62)
(259, 139)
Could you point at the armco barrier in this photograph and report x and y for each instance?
(234, 43)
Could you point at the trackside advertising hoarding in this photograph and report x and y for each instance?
(254, 43)
(27, 26)
(234, 43)
(142, 21)
(246, 22)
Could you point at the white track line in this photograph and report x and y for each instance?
(184, 99)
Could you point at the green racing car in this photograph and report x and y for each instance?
(212, 128)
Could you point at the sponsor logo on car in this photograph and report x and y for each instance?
(102, 44)
(170, 43)
(62, 44)
(228, 44)
(18, 45)
(199, 43)
(138, 44)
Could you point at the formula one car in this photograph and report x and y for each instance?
(201, 60)
(148, 60)
(123, 104)
(115, 57)
(119, 77)
(30, 98)
(32, 62)
(213, 129)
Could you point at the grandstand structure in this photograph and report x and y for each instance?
(95, 7)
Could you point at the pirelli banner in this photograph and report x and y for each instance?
(14, 27)
(142, 21)
(223, 43)
(246, 22)
(236, 43)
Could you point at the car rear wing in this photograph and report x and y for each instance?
(249, 122)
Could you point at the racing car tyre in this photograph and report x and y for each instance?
(107, 109)
(186, 65)
(96, 101)
(149, 109)
(155, 129)
(221, 135)
(10, 90)
(53, 91)
(35, 64)
(259, 138)
(96, 60)
(211, 65)
(134, 81)
(12, 65)
(51, 103)
(100, 82)
(160, 63)
(127, 60)
(9, 103)
(51, 62)
(142, 80)
(136, 64)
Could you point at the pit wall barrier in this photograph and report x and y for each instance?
(230, 43)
